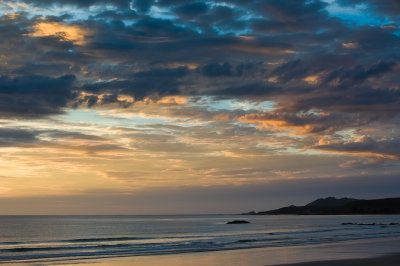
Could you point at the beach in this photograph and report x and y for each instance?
(390, 260)
(360, 252)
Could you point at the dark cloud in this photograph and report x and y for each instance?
(34, 96)
(279, 46)
(59, 134)
(373, 39)
(142, 6)
(292, 16)
(389, 148)
(17, 137)
(358, 74)
(291, 10)
(389, 7)
(309, 122)
(191, 10)
(32, 69)
(343, 76)
(348, 89)
(163, 73)
(154, 83)
(25, 137)
(117, 15)
(216, 70)
(290, 70)
(149, 26)
(224, 18)
(248, 90)
(86, 3)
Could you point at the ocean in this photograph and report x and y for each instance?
(58, 238)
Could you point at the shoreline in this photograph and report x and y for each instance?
(379, 251)
(387, 260)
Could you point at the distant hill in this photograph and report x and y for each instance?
(339, 207)
(331, 201)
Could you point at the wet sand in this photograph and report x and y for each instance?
(390, 260)
(355, 252)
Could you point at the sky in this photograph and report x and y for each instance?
(181, 106)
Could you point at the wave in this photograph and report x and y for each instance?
(30, 249)
(176, 237)
(103, 239)
(10, 243)
(27, 253)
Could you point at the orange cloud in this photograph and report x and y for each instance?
(350, 45)
(69, 33)
(278, 122)
(366, 147)
(314, 79)
(222, 117)
(12, 16)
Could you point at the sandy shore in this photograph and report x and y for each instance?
(390, 260)
(235, 259)
(355, 252)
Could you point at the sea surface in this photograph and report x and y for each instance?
(35, 238)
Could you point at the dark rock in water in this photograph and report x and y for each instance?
(238, 222)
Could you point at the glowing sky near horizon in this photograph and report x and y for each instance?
(171, 106)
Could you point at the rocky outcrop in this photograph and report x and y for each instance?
(378, 206)
(238, 222)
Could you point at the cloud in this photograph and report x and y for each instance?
(215, 70)
(11, 137)
(366, 146)
(311, 122)
(363, 164)
(64, 33)
(87, 3)
(388, 7)
(142, 6)
(237, 92)
(154, 83)
(291, 16)
(295, 64)
(34, 96)
(191, 10)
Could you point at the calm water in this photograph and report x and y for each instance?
(49, 237)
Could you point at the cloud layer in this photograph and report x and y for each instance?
(198, 89)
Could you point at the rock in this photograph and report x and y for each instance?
(238, 222)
